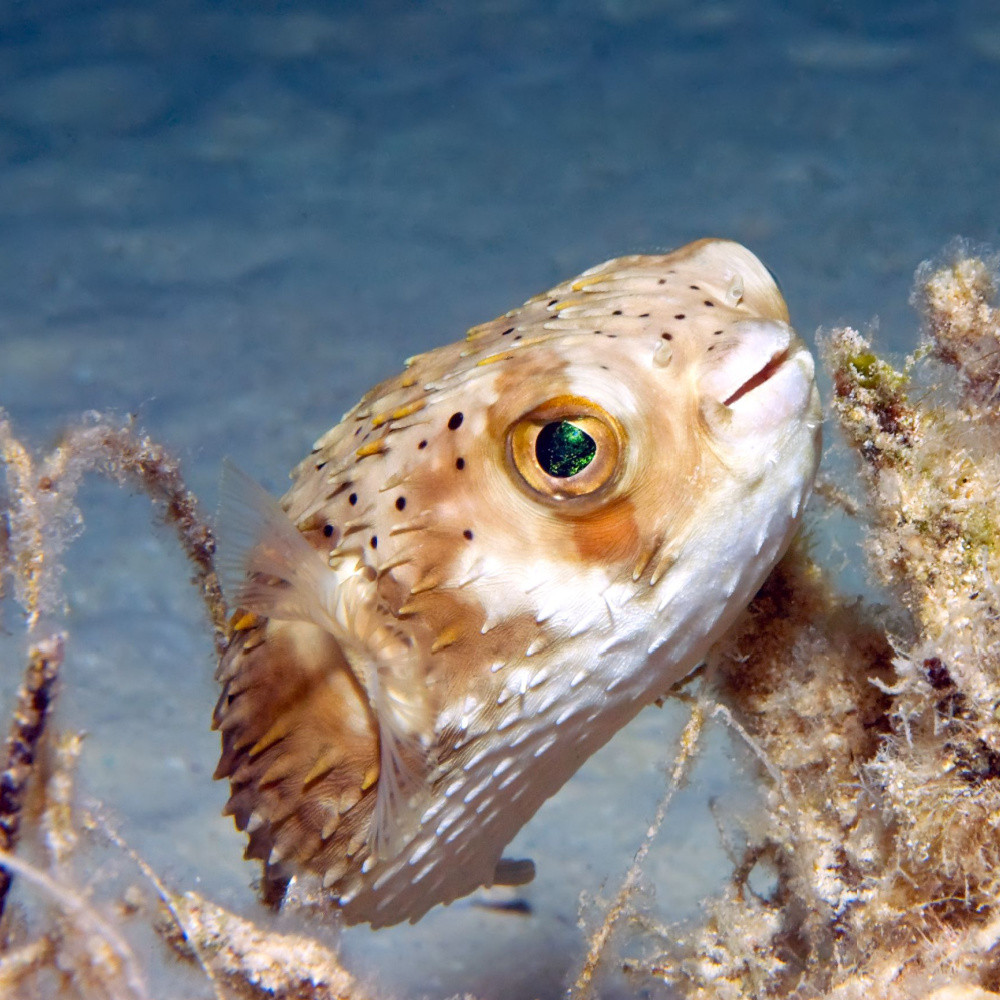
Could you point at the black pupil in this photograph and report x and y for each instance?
(563, 449)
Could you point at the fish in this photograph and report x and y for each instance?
(494, 561)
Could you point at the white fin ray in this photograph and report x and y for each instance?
(266, 566)
(264, 563)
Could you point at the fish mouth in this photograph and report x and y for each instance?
(759, 378)
(764, 381)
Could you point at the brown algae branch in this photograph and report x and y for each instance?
(123, 455)
(22, 532)
(27, 726)
(42, 518)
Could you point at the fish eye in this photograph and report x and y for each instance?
(563, 449)
(566, 447)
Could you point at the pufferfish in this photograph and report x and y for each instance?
(495, 560)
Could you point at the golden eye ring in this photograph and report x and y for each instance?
(566, 447)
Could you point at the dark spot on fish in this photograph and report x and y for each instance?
(679, 316)
(320, 466)
(597, 333)
(694, 288)
(467, 535)
(709, 303)
(352, 499)
(518, 337)
(459, 464)
(373, 541)
(616, 312)
(328, 530)
(711, 347)
(717, 333)
(509, 329)
(455, 421)
(667, 336)
(643, 315)
(661, 281)
(400, 503)
(423, 444)
(552, 302)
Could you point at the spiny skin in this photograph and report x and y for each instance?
(485, 628)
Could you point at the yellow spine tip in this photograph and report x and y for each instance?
(372, 448)
(445, 639)
(241, 622)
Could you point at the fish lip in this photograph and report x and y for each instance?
(770, 368)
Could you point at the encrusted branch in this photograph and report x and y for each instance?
(122, 454)
(27, 727)
(41, 517)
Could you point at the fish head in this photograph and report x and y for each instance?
(605, 422)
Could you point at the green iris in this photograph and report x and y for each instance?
(563, 449)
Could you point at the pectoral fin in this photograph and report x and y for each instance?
(268, 567)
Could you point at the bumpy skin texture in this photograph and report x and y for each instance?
(476, 628)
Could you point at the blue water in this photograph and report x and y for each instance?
(231, 219)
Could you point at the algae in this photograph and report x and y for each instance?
(872, 868)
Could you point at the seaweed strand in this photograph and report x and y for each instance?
(34, 700)
(582, 988)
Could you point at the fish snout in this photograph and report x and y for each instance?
(763, 378)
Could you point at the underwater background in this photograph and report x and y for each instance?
(231, 219)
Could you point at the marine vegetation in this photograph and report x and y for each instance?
(874, 723)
